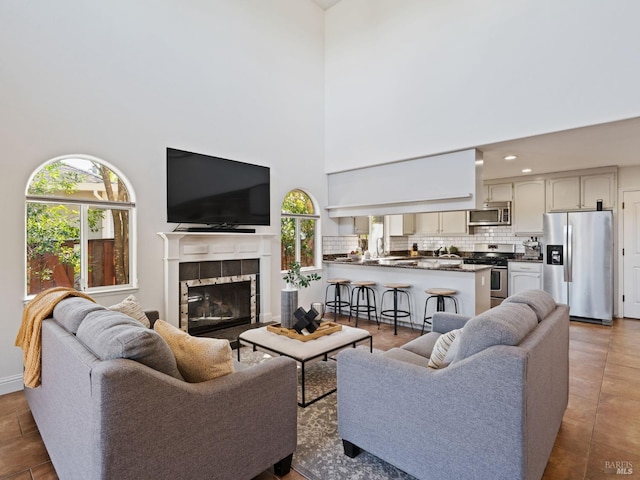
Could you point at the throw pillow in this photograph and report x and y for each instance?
(130, 306)
(199, 358)
(112, 335)
(445, 349)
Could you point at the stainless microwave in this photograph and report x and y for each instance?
(492, 213)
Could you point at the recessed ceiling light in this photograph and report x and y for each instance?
(526, 170)
(479, 162)
(510, 157)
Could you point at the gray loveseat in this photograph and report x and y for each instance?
(121, 419)
(493, 413)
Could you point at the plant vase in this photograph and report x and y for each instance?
(288, 305)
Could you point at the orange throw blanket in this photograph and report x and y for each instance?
(29, 335)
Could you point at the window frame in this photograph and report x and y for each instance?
(298, 217)
(84, 206)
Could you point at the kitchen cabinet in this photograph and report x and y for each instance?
(499, 192)
(580, 192)
(353, 225)
(442, 223)
(399, 225)
(528, 207)
(524, 276)
(598, 187)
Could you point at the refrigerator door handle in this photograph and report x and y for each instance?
(568, 263)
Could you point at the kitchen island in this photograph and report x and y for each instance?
(473, 282)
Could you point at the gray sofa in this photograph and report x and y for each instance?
(493, 413)
(121, 419)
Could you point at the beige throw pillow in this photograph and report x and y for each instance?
(199, 358)
(445, 349)
(130, 306)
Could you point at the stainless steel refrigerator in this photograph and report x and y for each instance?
(578, 263)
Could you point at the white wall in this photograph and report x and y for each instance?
(124, 79)
(418, 77)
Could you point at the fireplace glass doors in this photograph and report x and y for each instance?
(216, 303)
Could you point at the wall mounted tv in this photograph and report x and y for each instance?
(214, 191)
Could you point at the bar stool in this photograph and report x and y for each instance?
(364, 290)
(396, 289)
(439, 294)
(339, 286)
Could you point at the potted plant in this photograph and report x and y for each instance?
(295, 280)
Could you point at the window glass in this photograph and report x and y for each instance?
(78, 224)
(298, 230)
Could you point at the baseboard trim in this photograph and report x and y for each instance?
(11, 384)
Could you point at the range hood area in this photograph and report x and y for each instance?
(451, 181)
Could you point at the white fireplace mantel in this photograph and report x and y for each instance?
(182, 247)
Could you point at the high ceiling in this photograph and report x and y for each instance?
(615, 143)
(324, 4)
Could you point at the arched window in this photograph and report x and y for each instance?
(298, 230)
(80, 215)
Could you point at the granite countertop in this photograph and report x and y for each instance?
(409, 262)
(526, 260)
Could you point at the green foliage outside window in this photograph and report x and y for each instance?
(53, 227)
(297, 204)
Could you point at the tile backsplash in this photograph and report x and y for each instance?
(464, 243)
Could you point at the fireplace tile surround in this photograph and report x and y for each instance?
(202, 255)
(197, 276)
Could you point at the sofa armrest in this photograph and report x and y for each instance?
(443, 322)
(176, 429)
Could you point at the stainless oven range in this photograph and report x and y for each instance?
(497, 255)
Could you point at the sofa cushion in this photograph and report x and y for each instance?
(540, 302)
(199, 358)
(71, 311)
(406, 356)
(423, 345)
(130, 306)
(506, 324)
(112, 335)
(445, 349)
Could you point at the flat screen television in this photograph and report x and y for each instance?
(214, 191)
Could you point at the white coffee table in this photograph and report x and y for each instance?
(304, 352)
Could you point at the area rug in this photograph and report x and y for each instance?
(319, 455)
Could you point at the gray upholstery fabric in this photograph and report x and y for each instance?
(444, 322)
(119, 419)
(540, 302)
(492, 415)
(407, 356)
(506, 325)
(112, 335)
(71, 311)
(422, 345)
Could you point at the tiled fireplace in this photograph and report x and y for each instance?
(215, 280)
(218, 294)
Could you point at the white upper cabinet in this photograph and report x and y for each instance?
(563, 194)
(428, 223)
(499, 192)
(598, 187)
(580, 192)
(353, 225)
(399, 225)
(528, 207)
(442, 223)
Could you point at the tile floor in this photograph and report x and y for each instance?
(600, 427)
